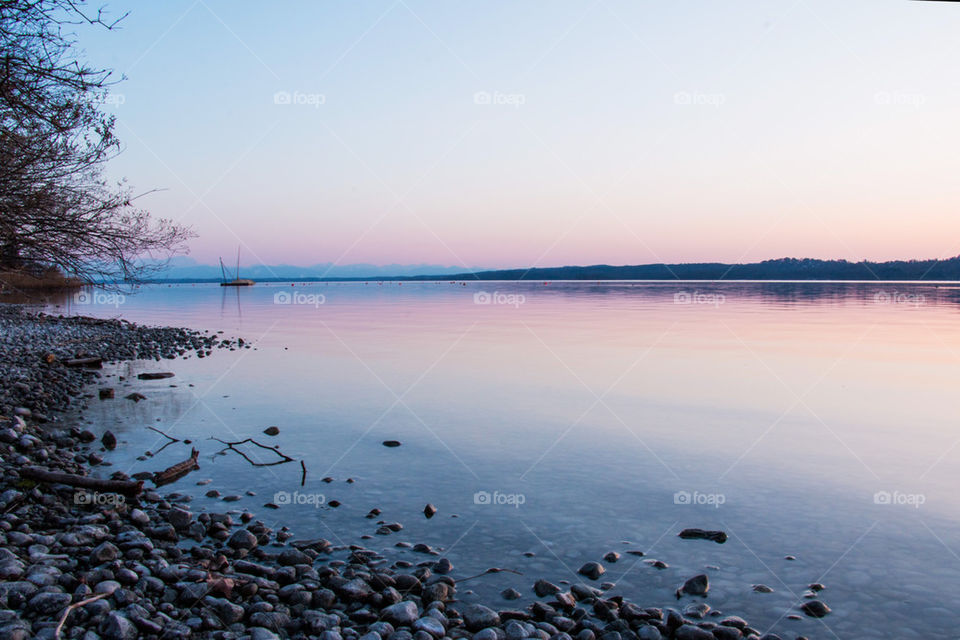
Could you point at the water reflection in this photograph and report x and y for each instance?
(619, 411)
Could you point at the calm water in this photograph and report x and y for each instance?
(813, 420)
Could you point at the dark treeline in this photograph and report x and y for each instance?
(781, 269)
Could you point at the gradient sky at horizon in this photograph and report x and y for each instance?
(502, 134)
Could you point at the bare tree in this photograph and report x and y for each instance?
(56, 208)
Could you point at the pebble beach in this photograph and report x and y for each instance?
(80, 564)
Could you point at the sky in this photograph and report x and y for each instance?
(513, 134)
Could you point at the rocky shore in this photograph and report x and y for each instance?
(76, 565)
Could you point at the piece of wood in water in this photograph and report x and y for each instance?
(178, 470)
(93, 363)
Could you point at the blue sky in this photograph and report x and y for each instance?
(518, 133)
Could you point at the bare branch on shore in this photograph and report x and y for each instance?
(72, 607)
(124, 487)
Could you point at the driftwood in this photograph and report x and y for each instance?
(233, 446)
(94, 363)
(72, 607)
(178, 470)
(123, 487)
(160, 375)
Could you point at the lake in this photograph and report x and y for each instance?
(551, 423)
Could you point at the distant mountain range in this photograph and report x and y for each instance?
(187, 270)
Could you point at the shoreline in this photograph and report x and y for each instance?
(123, 558)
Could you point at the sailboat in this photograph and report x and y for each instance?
(236, 280)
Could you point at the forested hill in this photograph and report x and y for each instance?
(781, 269)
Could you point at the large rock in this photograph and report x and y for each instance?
(728, 633)
(702, 534)
(356, 590)
(477, 617)
(690, 632)
(105, 552)
(118, 627)
(48, 603)
(438, 591)
(273, 620)
(592, 570)
(402, 614)
(179, 518)
(225, 610)
(698, 585)
(815, 608)
(242, 539)
(649, 632)
(544, 588)
(429, 625)
(291, 557)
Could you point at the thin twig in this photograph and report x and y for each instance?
(490, 570)
(171, 438)
(75, 605)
